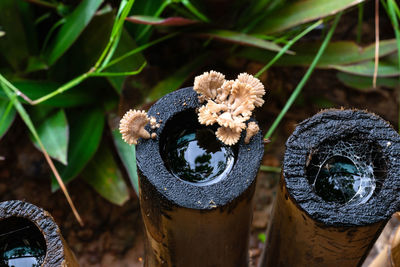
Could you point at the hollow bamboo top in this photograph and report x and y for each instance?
(331, 125)
(44, 222)
(190, 195)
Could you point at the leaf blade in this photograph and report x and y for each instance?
(71, 29)
(127, 154)
(300, 12)
(86, 128)
(103, 175)
(53, 131)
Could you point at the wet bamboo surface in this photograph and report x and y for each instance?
(295, 239)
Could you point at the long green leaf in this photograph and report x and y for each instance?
(364, 84)
(7, 115)
(175, 80)
(337, 53)
(103, 175)
(72, 28)
(86, 128)
(241, 38)
(130, 63)
(127, 155)
(53, 131)
(386, 69)
(299, 12)
(305, 78)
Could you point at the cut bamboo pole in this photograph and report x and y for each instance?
(312, 226)
(390, 255)
(17, 216)
(188, 223)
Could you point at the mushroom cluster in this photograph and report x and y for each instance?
(132, 126)
(229, 103)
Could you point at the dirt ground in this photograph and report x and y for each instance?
(113, 235)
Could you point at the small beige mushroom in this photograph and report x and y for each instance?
(132, 126)
(153, 123)
(224, 91)
(252, 129)
(257, 87)
(206, 117)
(208, 83)
(227, 135)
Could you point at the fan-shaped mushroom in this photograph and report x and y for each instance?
(132, 126)
(252, 129)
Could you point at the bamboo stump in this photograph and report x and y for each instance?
(338, 189)
(26, 229)
(190, 222)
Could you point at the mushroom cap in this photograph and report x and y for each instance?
(132, 126)
(208, 83)
(252, 129)
(236, 123)
(207, 117)
(258, 88)
(227, 135)
(224, 91)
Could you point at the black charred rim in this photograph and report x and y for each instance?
(330, 126)
(189, 195)
(20, 211)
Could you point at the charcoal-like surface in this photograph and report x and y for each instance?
(331, 125)
(44, 222)
(186, 194)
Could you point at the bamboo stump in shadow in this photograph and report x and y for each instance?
(339, 187)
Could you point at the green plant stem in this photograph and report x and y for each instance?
(193, 9)
(62, 89)
(270, 169)
(305, 78)
(7, 111)
(147, 28)
(116, 31)
(113, 74)
(360, 21)
(138, 49)
(287, 46)
(28, 122)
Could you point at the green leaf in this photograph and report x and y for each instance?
(365, 83)
(52, 128)
(7, 116)
(385, 69)
(130, 63)
(299, 12)
(175, 80)
(103, 175)
(127, 155)
(36, 89)
(241, 38)
(337, 53)
(86, 128)
(171, 21)
(72, 28)
(14, 43)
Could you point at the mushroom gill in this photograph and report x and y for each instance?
(132, 126)
(229, 103)
(227, 135)
(208, 83)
